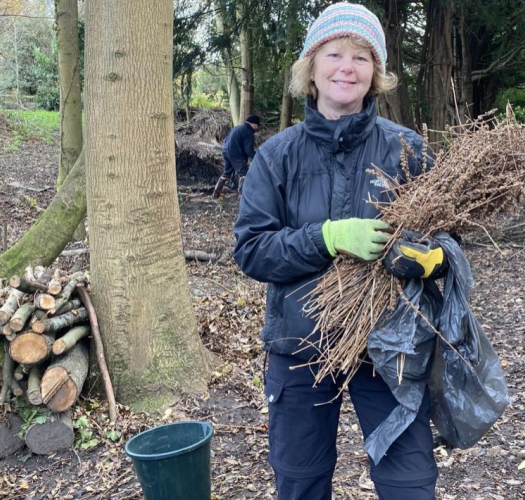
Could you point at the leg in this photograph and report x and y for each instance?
(408, 470)
(226, 175)
(302, 436)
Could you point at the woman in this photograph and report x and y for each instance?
(304, 201)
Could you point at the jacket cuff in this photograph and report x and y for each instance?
(316, 234)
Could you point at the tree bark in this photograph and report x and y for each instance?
(44, 241)
(287, 101)
(25, 285)
(7, 372)
(33, 386)
(434, 78)
(148, 327)
(10, 442)
(69, 306)
(234, 93)
(246, 42)
(64, 378)
(11, 305)
(55, 434)
(396, 106)
(59, 322)
(67, 342)
(69, 81)
(21, 316)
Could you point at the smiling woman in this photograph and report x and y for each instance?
(305, 202)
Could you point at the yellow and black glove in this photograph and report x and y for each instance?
(413, 256)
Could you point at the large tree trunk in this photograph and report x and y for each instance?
(234, 93)
(396, 106)
(44, 241)
(139, 281)
(434, 79)
(247, 89)
(69, 80)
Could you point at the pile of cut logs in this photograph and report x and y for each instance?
(43, 346)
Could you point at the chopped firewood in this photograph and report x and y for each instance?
(10, 442)
(66, 342)
(69, 306)
(59, 322)
(45, 301)
(66, 292)
(26, 286)
(20, 372)
(21, 316)
(33, 386)
(13, 302)
(16, 389)
(32, 348)
(7, 373)
(54, 287)
(55, 434)
(38, 314)
(64, 378)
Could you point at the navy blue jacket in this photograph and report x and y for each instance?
(311, 172)
(239, 143)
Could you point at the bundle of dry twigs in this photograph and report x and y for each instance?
(481, 172)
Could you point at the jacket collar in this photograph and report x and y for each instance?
(343, 134)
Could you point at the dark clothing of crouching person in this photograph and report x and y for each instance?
(238, 147)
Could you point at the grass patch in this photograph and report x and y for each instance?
(31, 124)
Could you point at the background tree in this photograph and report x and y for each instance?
(69, 78)
(139, 280)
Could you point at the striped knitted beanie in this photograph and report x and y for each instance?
(347, 19)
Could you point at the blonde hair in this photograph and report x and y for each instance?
(302, 85)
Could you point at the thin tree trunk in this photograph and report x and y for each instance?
(234, 93)
(44, 241)
(69, 81)
(247, 89)
(148, 328)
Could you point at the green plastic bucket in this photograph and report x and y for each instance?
(172, 461)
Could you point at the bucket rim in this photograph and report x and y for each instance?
(208, 434)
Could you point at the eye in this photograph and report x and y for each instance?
(362, 58)
(333, 54)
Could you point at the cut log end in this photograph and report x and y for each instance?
(59, 392)
(59, 347)
(29, 348)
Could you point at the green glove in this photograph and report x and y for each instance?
(362, 238)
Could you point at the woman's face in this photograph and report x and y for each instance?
(343, 75)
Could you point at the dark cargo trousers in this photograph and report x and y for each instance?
(303, 436)
(230, 167)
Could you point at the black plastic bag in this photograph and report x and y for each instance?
(468, 395)
(468, 391)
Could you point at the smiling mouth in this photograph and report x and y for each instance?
(342, 83)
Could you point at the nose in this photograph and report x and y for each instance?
(347, 65)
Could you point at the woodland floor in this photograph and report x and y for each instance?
(230, 309)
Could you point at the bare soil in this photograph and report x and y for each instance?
(230, 312)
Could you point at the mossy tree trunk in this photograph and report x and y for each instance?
(139, 282)
(46, 239)
(66, 13)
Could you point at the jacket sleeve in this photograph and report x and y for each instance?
(248, 144)
(267, 250)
